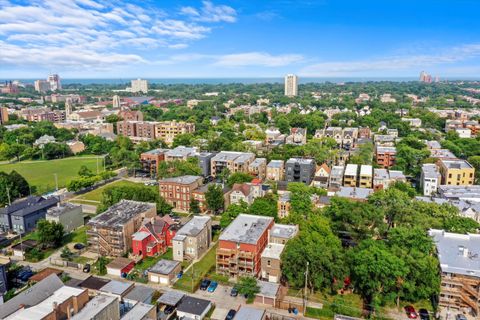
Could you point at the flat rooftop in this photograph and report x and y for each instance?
(116, 287)
(246, 228)
(164, 266)
(337, 171)
(380, 174)
(458, 253)
(285, 231)
(456, 164)
(232, 156)
(120, 213)
(354, 192)
(181, 179)
(386, 150)
(171, 298)
(193, 227)
(181, 151)
(62, 208)
(273, 251)
(139, 311)
(366, 170)
(276, 164)
(351, 169)
(94, 306)
(300, 160)
(250, 313)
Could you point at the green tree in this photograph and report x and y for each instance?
(248, 286)
(101, 265)
(194, 206)
(232, 212)
(321, 249)
(376, 273)
(238, 177)
(85, 171)
(265, 206)
(66, 254)
(50, 234)
(214, 198)
(475, 162)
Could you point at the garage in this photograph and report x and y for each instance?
(164, 272)
(120, 266)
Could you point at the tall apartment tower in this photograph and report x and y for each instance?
(291, 85)
(68, 107)
(54, 81)
(116, 102)
(140, 85)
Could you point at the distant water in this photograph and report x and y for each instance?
(191, 81)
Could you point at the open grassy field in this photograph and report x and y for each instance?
(96, 195)
(40, 174)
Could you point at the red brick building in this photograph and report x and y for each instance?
(178, 191)
(241, 245)
(150, 160)
(386, 156)
(154, 237)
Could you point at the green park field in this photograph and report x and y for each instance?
(41, 174)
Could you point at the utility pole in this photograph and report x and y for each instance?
(305, 293)
(8, 196)
(193, 274)
(97, 165)
(56, 181)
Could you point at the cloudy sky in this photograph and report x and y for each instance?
(244, 38)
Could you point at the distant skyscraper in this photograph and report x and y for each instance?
(116, 102)
(425, 77)
(68, 107)
(291, 85)
(42, 86)
(139, 85)
(54, 81)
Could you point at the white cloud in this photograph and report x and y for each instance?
(395, 63)
(92, 32)
(211, 13)
(257, 59)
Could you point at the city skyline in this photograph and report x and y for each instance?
(221, 39)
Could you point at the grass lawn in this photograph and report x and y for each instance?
(81, 259)
(96, 195)
(40, 174)
(77, 236)
(200, 269)
(150, 261)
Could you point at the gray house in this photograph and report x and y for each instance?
(300, 170)
(204, 159)
(22, 215)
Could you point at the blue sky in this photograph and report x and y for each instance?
(239, 38)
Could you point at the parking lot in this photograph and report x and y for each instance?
(222, 297)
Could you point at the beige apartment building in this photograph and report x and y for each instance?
(366, 176)
(193, 239)
(350, 175)
(276, 170)
(167, 131)
(231, 160)
(456, 172)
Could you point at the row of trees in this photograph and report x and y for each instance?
(380, 247)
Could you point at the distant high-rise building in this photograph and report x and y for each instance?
(42, 86)
(425, 77)
(139, 85)
(116, 102)
(51, 84)
(68, 107)
(54, 81)
(3, 115)
(291, 85)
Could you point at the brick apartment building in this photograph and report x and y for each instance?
(241, 244)
(110, 233)
(386, 156)
(150, 130)
(151, 160)
(178, 191)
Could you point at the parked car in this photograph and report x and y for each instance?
(25, 274)
(233, 292)
(231, 314)
(180, 274)
(168, 309)
(424, 315)
(411, 313)
(86, 268)
(213, 285)
(78, 246)
(205, 284)
(216, 227)
(460, 317)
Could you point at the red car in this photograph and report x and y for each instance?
(411, 313)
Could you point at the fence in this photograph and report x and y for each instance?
(63, 263)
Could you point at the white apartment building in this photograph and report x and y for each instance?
(291, 85)
(430, 179)
(139, 85)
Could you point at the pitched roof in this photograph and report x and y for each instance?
(32, 296)
(244, 188)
